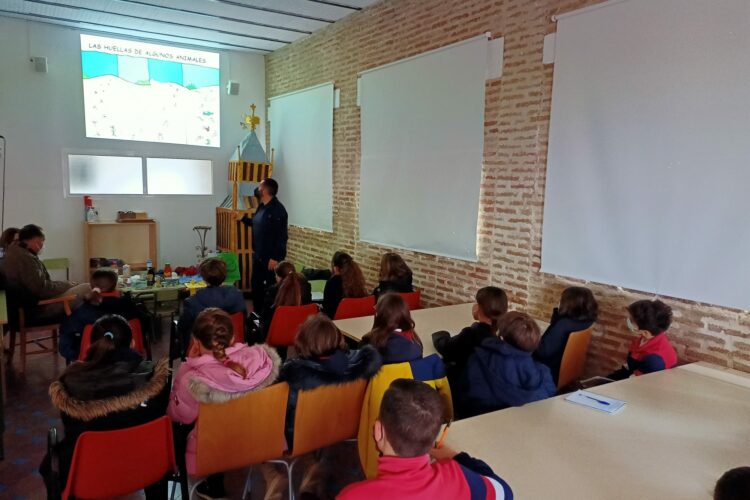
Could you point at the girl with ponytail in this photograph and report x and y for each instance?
(291, 289)
(347, 281)
(491, 304)
(217, 370)
(113, 388)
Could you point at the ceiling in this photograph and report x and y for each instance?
(260, 26)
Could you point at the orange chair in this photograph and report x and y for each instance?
(238, 327)
(286, 322)
(355, 308)
(573, 361)
(241, 433)
(145, 454)
(136, 343)
(324, 416)
(413, 299)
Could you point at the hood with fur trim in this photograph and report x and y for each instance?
(211, 382)
(86, 410)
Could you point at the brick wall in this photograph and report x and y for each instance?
(512, 196)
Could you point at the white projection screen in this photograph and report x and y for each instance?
(422, 145)
(649, 159)
(138, 91)
(302, 139)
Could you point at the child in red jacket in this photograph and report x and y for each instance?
(650, 351)
(410, 418)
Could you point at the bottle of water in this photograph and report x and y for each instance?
(149, 264)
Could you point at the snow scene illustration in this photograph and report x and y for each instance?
(147, 92)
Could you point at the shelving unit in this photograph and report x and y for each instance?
(133, 242)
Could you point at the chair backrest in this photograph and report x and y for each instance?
(286, 322)
(245, 431)
(136, 343)
(413, 299)
(233, 266)
(114, 463)
(238, 326)
(60, 263)
(327, 415)
(573, 361)
(355, 308)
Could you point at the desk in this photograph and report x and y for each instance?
(681, 429)
(427, 321)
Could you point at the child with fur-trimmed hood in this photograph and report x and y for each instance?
(217, 371)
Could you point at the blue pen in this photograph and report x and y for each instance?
(600, 401)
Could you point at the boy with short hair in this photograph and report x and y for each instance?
(227, 298)
(408, 425)
(103, 301)
(650, 351)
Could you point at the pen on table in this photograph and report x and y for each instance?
(600, 401)
(443, 435)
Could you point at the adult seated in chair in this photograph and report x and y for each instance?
(27, 276)
(113, 388)
(104, 300)
(227, 298)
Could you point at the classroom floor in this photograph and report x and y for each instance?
(29, 414)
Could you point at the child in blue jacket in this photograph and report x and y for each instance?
(502, 372)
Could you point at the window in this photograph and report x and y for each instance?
(177, 176)
(90, 174)
(118, 175)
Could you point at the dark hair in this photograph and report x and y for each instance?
(284, 268)
(30, 231)
(214, 330)
(214, 271)
(652, 315)
(393, 267)
(272, 185)
(577, 302)
(352, 279)
(519, 330)
(8, 237)
(391, 313)
(734, 484)
(290, 290)
(110, 334)
(318, 337)
(411, 414)
(105, 279)
(493, 302)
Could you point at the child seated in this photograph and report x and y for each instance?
(216, 371)
(491, 304)
(650, 351)
(501, 372)
(290, 289)
(408, 424)
(227, 298)
(734, 484)
(395, 275)
(578, 311)
(392, 331)
(347, 282)
(103, 300)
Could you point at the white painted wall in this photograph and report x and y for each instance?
(41, 116)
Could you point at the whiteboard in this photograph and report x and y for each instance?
(302, 139)
(422, 128)
(649, 159)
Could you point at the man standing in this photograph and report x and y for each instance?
(269, 226)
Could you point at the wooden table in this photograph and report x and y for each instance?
(427, 321)
(681, 429)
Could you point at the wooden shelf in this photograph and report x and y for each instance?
(133, 242)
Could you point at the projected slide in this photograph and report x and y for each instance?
(138, 91)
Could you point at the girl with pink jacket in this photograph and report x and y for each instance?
(215, 372)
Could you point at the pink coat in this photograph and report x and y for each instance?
(206, 380)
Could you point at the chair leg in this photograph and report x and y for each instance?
(11, 347)
(54, 339)
(289, 466)
(22, 347)
(248, 484)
